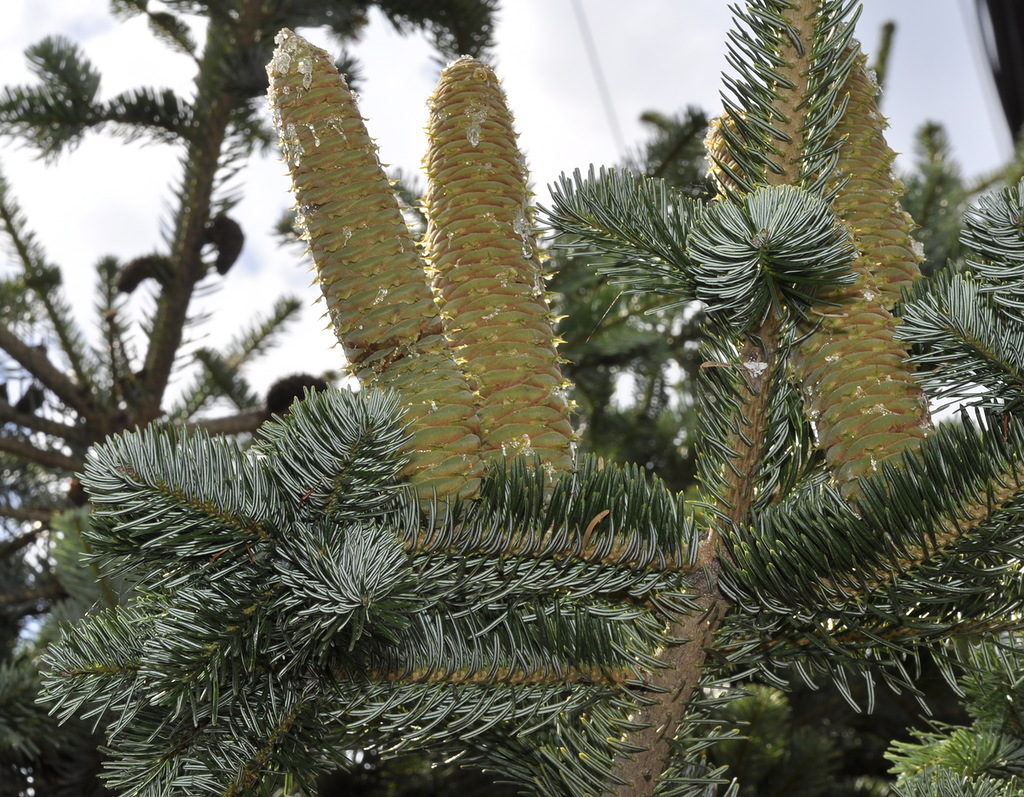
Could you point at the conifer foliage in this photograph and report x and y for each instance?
(424, 563)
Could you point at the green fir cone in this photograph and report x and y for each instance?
(487, 270)
(860, 394)
(869, 201)
(378, 296)
(721, 165)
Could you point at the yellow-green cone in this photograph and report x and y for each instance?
(487, 271)
(859, 391)
(377, 292)
(720, 161)
(869, 202)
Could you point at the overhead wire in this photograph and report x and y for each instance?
(602, 85)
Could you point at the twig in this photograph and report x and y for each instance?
(245, 421)
(52, 459)
(36, 362)
(66, 432)
(25, 538)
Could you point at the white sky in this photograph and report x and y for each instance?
(110, 198)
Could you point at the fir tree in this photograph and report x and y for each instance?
(65, 389)
(425, 562)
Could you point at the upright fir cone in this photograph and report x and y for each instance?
(487, 271)
(377, 292)
(858, 389)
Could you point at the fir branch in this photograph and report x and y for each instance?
(971, 349)
(603, 532)
(172, 31)
(769, 126)
(771, 250)
(936, 198)
(338, 452)
(157, 113)
(640, 225)
(600, 513)
(571, 752)
(784, 104)
(70, 435)
(55, 115)
(227, 380)
(113, 325)
(301, 598)
(457, 27)
(219, 628)
(407, 715)
(914, 558)
(334, 453)
(993, 231)
(548, 640)
(94, 668)
(944, 783)
(398, 620)
(149, 486)
(362, 596)
(880, 66)
(774, 247)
